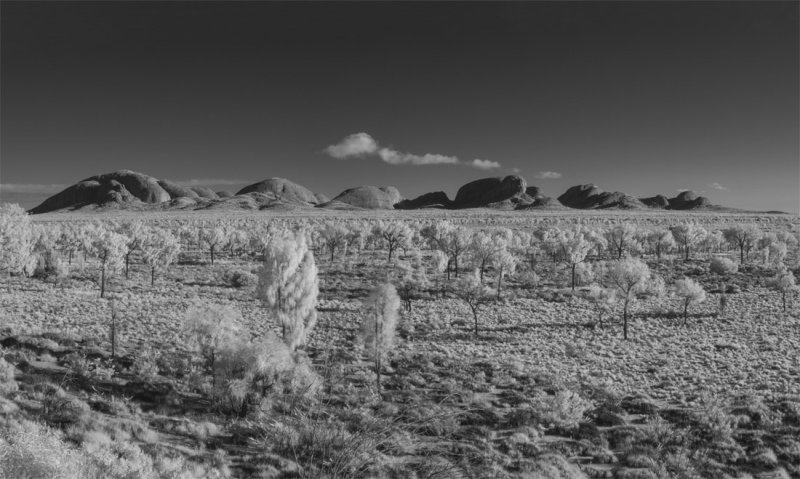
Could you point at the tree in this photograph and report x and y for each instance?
(483, 249)
(506, 263)
(380, 320)
(110, 248)
(410, 277)
(620, 238)
(288, 286)
(160, 248)
(394, 233)
(453, 240)
(602, 299)
(209, 328)
(334, 235)
(691, 293)
(574, 248)
(134, 233)
(470, 290)
(441, 263)
(213, 238)
(784, 283)
(16, 239)
(742, 236)
(688, 236)
(628, 277)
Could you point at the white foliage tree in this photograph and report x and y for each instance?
(743, 237)
(469, 289)
(110, 248)
(621, 239)
(784, 283)
(380, 311)
(334, 235)
(603, 300)
(574, 249)
(214, 239)
(688, 236)
(160, 248)
(288, 286)
(690, 293)
(134, 233)
(209, 328)
(396, 234)
(506, 264)
(628, 277)
(16, 239)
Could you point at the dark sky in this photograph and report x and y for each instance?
(646, 98)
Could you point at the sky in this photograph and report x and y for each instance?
(642, 97)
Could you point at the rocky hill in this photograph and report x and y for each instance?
(131, 190)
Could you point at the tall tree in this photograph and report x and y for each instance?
(288, 286)
(378, 328)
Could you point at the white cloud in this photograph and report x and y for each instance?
(484, 164)
(31, 188)
(394, 157)
(681, 190)
(717, 186)
(359, 145)
(355, 145)
(548, 175)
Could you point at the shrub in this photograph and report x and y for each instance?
(722, 265)
(251, 371)
(8, 383)
(563, 411)
(239, 279)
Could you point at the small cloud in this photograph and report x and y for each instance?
(394, 157)
(515, 170)
(548, 175)
(31, 188)
(717, 186)
(681, 190)
(209, 181)
(359, 145)
(484, 164)
(355, 145)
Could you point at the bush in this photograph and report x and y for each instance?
(722, 265)
(8, 383)
(30, 450)
(251, 371)
(563, 411)
(239, 279)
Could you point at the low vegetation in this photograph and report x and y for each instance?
(275, 346)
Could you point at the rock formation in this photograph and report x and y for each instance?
(591, 196)
(484, 192)
(437, 199)
(283, 190)
(122, 186)
(687, 200)
(367, 197)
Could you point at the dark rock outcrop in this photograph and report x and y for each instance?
(437, 199)
(177, 191)
(283, 190)
(123, 186)
(657, 201)
(687, 200)
(484, 192)
(205, 192)
(368, 197)
(591, 196)
(224, 194)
